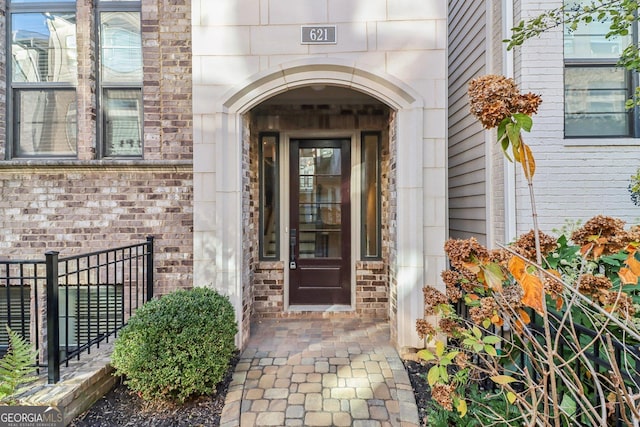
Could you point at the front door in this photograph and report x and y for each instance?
(320, 229)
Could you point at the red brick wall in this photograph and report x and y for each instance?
(86, 204)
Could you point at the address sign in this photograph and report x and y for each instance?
(318, 34)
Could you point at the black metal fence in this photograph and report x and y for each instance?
(596, 348)
(64, 306)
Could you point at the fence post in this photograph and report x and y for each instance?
(53, 319)
(149, 268)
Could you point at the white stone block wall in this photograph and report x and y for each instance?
(575, 178)
(393, 44)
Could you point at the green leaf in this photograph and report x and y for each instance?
(444, 375)
(491, 339)
(513, 132)
(476, 332)
(493, 276)
(426, 355)
(491, 351)
(433, 375)
(439, 348)
(524, 121)
(486, 323)
(478, 347)
(503, 379)
(568, 405)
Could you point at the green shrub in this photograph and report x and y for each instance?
(177, 346)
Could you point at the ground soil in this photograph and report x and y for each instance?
(418, 377)
(121, 407)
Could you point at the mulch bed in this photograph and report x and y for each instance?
(418, 377)
(121, 407)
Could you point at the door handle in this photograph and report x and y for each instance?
(293, 239)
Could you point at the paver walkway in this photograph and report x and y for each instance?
(322, 372)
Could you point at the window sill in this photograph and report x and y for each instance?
(600, 142)
(48, 163)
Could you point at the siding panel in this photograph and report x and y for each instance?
(466, 145)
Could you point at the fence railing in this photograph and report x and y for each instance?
(64, 306)
(595, 348)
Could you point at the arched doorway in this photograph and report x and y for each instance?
(321, 166)
(222, 178)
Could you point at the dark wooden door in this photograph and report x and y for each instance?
(320, 229)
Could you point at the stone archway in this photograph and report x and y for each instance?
(219, 222)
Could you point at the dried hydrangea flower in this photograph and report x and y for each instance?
(595, 286)
(621, 302)
(494, 98)
(432, 298)
(526, 244)
(443, 394)
(487, 309)
(602, 235)
(512, 296)
(450, 327)
(465, 251)
(424, 329)
(452, 279)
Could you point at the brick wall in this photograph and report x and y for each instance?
(77, 210)
(85, 204)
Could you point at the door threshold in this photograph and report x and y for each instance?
(321, 308)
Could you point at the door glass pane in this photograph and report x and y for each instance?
(123, 122)
(43, 47)
(121, 47)
(47, 124)
(595, 101)
(269, 196)
(319, 208)
(371, 195)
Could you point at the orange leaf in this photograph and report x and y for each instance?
(633, 264)
(597, 251)
(497, 320)
(586, 248)
(627, 276)
(472, 267)
(517, 268)
(533, 292)
(527, 161)
(559, 303)
(524, 316)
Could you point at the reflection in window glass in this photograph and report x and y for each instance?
(269, 200)
(43, 47)
(595, 101)
(47, 122)
(123, 122)
(121, 47)
(371, 240)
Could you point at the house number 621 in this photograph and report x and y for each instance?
(318, 34)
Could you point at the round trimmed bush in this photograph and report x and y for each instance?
(177, 346)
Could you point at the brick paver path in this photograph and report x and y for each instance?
(326, 372)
